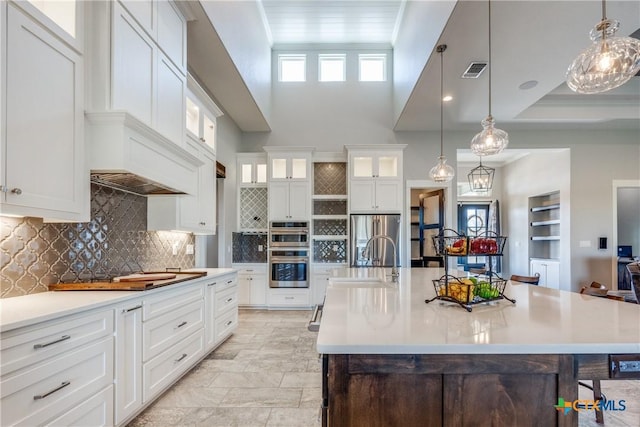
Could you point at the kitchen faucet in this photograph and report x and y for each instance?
(394, 270)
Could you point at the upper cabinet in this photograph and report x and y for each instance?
(252, 170)
(289, 183)
(138, 62)
(252, 192)
(201, 115)
(375, 178)
(42, 115)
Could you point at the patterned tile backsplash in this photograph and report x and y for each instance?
(253, 205)
(114, 242)
(329, 178)
(246, 247)
(330, 251)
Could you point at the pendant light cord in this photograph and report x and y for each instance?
(604, 18)
(490, 64)
(442, 48)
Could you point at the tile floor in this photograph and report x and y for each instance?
(268, 374)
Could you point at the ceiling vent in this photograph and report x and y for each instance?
(474, 70)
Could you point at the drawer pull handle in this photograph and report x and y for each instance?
(127, 310)
(288, 297)
(228, 323)
(212, 284)
(229, 299)
(229, 282)
(60, 387)
(62, 338)
(181, 324)
(181, 358)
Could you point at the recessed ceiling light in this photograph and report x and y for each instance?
(528, 85)
(447, 98)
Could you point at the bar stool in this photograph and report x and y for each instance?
(532, 280)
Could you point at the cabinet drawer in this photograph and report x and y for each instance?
(169, 300)
(225, 282)
(37, 394)
(94, 412)
(289, 298)
(226, 300)
(164, 369)
(29, 345)
(226, 324)
(162, 332)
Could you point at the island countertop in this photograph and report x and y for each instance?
(364, 313)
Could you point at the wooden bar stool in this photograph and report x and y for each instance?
(532, 280)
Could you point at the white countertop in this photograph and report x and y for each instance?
(394, 319)
(26, 310)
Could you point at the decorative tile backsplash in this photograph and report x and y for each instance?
(246, 247)
(114, 242)
(329, 178)
(330, 251)
(330, 227)
(253, 205)
(329, 207)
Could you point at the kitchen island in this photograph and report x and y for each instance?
(390, 359)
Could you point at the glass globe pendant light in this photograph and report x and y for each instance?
(491, 140)
(442, 172)
(608, 63)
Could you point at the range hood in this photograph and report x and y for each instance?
(125, 153)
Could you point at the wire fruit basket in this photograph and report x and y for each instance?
(468, 291)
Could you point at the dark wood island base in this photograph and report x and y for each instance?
(456, 390)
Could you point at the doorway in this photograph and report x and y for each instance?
(626, 230)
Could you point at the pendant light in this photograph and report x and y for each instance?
(442, 172)
(608, 63)
(481, 178)
(491, 140)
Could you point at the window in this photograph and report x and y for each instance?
(331, 68)
(373, 67)
(472, 221)
(292, 68)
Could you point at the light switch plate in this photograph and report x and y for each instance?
(189, 250)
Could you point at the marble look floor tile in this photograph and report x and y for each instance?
(293, 417)
(304, 379)
(222, 365)
(248, 379)
(185, 396)
(159, 416)
(276, 365)
(311, 397)
(263, 397)
(235, 417)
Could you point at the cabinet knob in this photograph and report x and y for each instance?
(203, 223)
(202, 139)
(16, 191)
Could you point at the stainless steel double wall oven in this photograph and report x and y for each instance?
(289, 254)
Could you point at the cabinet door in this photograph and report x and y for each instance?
(207, 194)
(299, 200)
(133, 65)
(44, 122)
(258, 289)
(170, 103)
(143, 12)
(387, 166)
(388, 196)
(172, 33)
(553, 274)
(209, 315)
(539, 267)
(244, 289)
(209, 130)
(361, 167)
(319, 287)
(362, 196)
(128, 361)
(278, 201)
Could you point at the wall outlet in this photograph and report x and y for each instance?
(189, 250)
(175, 248)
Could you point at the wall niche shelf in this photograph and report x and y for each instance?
(545, 237)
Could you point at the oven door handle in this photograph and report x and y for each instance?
(289, 232)
(296, 260)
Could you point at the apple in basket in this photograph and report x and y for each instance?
(483, 245)
(458, 247)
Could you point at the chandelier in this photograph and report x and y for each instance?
(608, 63)
(481, 178)
(442, 172)
(490, 140)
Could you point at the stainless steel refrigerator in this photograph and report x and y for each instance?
(363, 227)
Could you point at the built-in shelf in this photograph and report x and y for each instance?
(545, 208)
(329, 197)
(540, 238)
(547, 222)
(330, 217)
(330, 237)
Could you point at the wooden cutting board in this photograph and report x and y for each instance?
(145, 277)
(102, 286)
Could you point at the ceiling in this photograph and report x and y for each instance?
(531, 41)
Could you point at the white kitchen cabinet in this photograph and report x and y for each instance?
(375, 178)
(43, 78)
(50, 369)
(220, 299)
(138, 52)
(289, 201)
(289, 166)
(193, 213)
(549, 271)
(201, 115)
(252, 169)
(128, 360)
(252, 285)
(320, 276)
(97, 411)
(289, 298)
